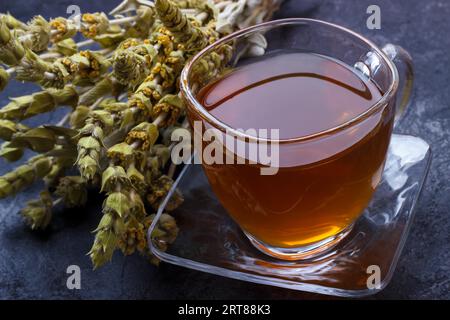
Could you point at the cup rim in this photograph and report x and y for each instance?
(198, 108)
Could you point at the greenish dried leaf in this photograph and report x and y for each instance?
(37, 139)
(38, 213)
(11, 154)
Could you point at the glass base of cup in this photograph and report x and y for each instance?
(300, 253)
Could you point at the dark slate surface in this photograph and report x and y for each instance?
(33, 265)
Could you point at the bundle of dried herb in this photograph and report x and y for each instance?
(124, 100)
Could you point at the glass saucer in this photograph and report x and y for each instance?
(210, 241)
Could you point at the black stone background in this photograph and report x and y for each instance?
(33, 265)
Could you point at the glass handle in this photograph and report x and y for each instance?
(403, 61)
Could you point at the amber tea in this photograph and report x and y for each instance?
(326, 178)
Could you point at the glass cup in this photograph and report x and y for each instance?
(325, 179)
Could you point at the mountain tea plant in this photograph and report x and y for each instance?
(122, 86)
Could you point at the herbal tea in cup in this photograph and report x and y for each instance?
(333, 122)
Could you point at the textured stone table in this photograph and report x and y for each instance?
(33, 265)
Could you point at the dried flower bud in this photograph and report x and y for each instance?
(114, 107)
(173, 19)
(113, 176)
(207, 7)
(134, 237)
(141, 101)
(10, 153)
(170, 104)
(91, 142)
(32, 68)
(41, 165)
(171, 16)
(103, 117)
(132, 65)
(8, 128)
(24, 175)
(38, 213)
(72, 189)
(111, 38)
(104, 246)
(82, 68)
(60, 75)
(211, 64)
(65, 47)
(159, 189)
(65, 29)
(58, 131)
(94, 24)
(127, 66)
(12, 22)
(167, 74)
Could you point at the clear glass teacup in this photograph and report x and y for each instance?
(324, 180)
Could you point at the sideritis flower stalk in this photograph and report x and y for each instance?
(24, 175)
(90, 142)
(83, 68)
(39, 102)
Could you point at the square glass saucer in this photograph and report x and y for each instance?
(210, 241)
